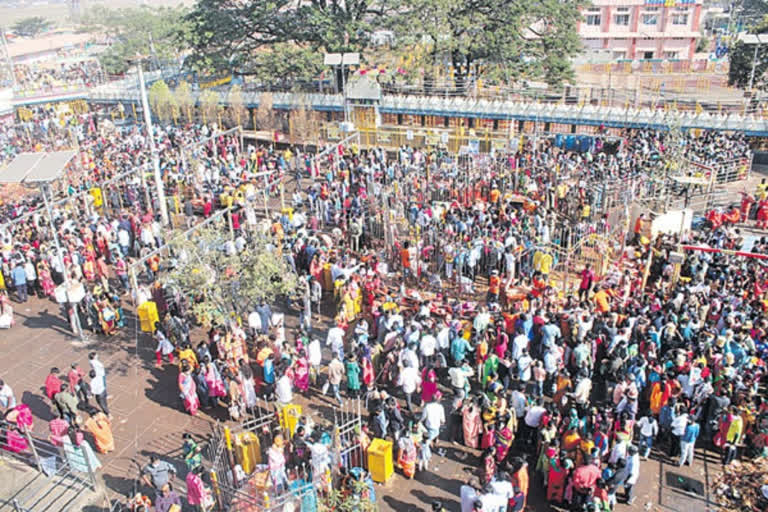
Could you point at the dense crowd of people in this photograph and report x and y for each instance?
(450, 318)
(44, 77)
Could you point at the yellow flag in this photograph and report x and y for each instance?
(699, 109)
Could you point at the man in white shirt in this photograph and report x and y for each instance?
(97, 367)
(444, 338)
(459, 376)
(468, 496)
(518, 402)
(335, 340)
(315, 359)
(583, 389)
(254, 323)
(524, 366)
(519, 342)
(410, 380)
(427, 347)
(7, 399)
(284, 390)
(433, 416)
(649, 428)
(99, 391)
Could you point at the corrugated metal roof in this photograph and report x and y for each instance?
(36, 167)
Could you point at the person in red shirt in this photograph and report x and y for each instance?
(584, 479)
(53, 387)
(587, 278)
(762, 214)
(405, 259)
(494, 287)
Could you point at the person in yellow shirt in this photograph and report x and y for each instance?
(602, 300)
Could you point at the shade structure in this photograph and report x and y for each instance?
(36, 167)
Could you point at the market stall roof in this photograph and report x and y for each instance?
(36, 167)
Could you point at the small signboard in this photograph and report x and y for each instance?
(676, 257)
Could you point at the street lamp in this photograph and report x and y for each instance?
(339, 60)
(138, 60)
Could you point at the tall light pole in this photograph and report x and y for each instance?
(8, 58)
(71, 307)
(152, 147)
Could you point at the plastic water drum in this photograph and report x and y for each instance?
(148, 316)
(380, 460)
(248, 451)
(289, 417)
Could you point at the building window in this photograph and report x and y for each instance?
(622, 9)
(679, 19)
(670, 55)
(593, 19)
(651, 9)
(650, 19)
(621, 19)
(619, 54)
(647, 55)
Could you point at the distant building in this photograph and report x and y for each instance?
(641, 29)
(47, 47)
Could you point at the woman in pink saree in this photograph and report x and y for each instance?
(471, 424)
(216, 388)
(45, 279)
(301, 372)
(428, 384)
(188, 389)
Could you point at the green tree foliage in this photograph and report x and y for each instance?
(753, 10)
(741, 57)
(137, 30)
(224, 283)
(498, 40)
(31, 27)
(231, 34)
(163, 102)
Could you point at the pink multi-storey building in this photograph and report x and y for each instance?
(641, 29)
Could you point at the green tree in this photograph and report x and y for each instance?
(237, 113)
(32, 26)
(137, 30)
(233, 35)
(209, 106)
(224, 283)
(498, 40)
(163, 102)
(741, 57)
(185, 100)
(287, 61)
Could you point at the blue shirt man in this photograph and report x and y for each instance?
(19, 276)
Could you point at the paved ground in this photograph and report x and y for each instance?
(149, 419)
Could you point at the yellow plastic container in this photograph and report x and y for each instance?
(97, 197)
(289, 418)
(248, 451)
(380, 460)
(327, 281)
(148, 316)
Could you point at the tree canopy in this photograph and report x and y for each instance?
(224, 282)
(32, 26)
(143, 30)
(741, 57)
(500, 40)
